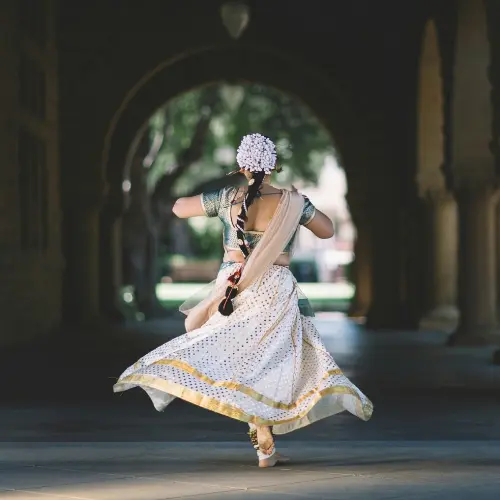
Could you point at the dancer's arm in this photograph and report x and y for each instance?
(207, 203)
(187, 207)
(319, 223)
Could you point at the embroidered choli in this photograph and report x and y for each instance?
(218, 204)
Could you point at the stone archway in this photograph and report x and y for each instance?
(440, 205)
(277, 70)
(206, 66)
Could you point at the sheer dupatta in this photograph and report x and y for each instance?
(280, 230)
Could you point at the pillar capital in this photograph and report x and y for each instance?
(430, 181)
(474, 182)
(437, 195)
(477, 191)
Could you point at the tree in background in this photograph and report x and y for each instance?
(190, 146)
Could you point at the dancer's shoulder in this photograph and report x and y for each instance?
(214, 200)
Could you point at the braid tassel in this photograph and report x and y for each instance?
(226, 307)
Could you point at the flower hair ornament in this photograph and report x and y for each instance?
(257, 155)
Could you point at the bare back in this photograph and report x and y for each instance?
(262, 210)
(259, 216)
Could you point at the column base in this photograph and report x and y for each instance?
(474, 336)
(357, 310)
(442, 318)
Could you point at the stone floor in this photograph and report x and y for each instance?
(435, 433)
(205, 471)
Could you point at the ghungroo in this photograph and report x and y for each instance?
(255, 441)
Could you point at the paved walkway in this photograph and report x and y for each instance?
(212, 471)
(435, 433)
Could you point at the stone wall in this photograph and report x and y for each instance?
(30, 253)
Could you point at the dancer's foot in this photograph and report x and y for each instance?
(268, 462)
(265, 440)
(266, 452)
(273, 460)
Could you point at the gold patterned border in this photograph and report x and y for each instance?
(248, 391)
(364, 411)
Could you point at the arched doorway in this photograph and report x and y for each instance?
(201, 68)
(189, 148)
(307, 84)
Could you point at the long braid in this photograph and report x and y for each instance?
(254, 186)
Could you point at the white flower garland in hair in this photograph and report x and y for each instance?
(256, 153)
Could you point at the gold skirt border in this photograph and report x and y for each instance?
(363, 411)
(248, 391)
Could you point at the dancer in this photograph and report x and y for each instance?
(251, 351)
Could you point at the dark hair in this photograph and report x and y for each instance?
(254, 185)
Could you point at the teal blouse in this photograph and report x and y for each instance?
(218, 204)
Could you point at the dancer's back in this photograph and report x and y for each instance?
(261, 211)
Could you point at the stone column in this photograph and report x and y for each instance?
(497, 252)
(81, 242)
(496, 355)
(388, 308)
(362, 265)
(111, 249)
(441, 289)
(477, 285)
(362, 275)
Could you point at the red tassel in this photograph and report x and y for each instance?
(226, 306)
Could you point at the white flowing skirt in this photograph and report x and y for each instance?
(264, 364)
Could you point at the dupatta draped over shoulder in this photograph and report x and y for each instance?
(280, 230)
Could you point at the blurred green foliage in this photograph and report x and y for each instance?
(191, 145)
(236, 110)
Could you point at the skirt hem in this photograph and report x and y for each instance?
(326, 403)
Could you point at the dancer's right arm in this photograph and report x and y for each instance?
(207, 204)
(190, 206)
